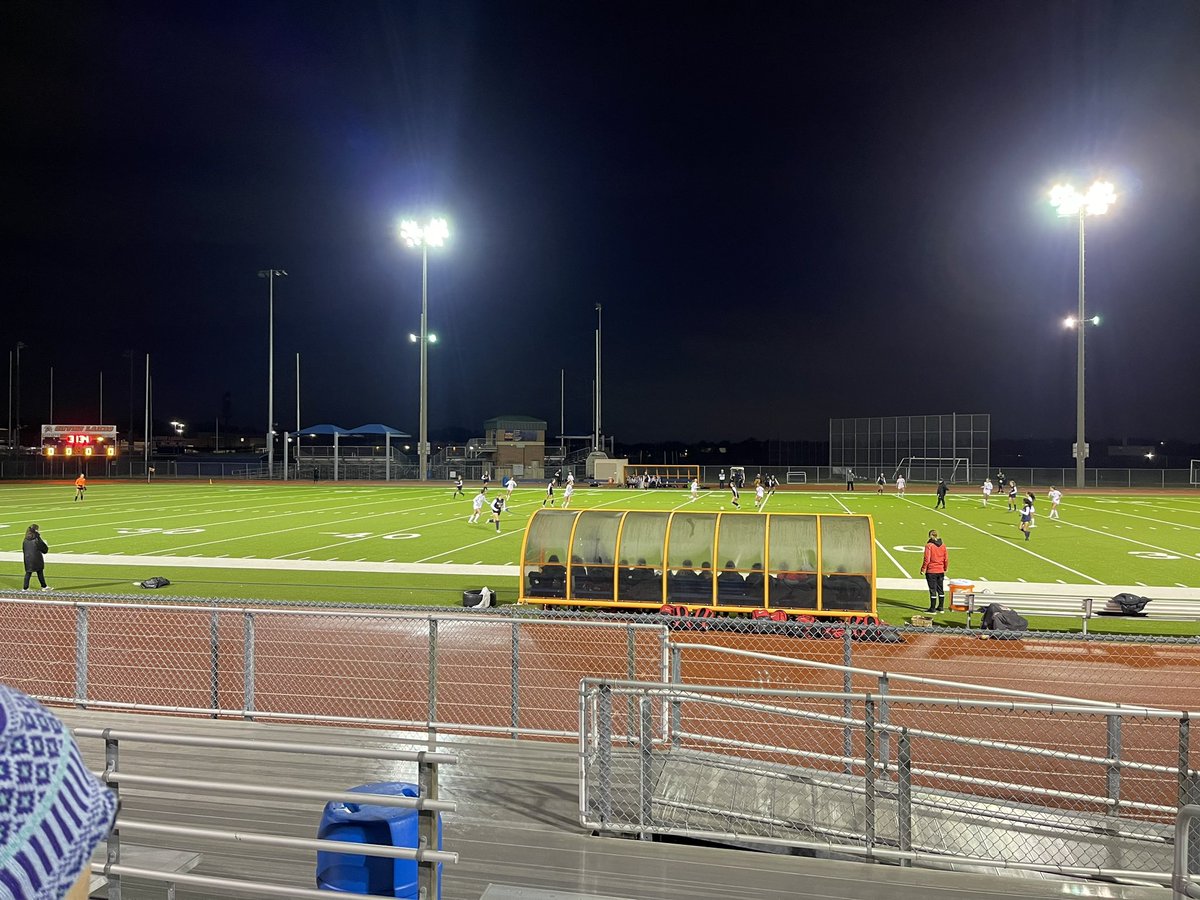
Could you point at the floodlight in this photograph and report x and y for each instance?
(432, 235)
(1069, 322)
(1069, 202)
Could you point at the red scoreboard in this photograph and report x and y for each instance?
(79, 440)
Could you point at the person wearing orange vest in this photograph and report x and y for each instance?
(934, 567)
(80, 486)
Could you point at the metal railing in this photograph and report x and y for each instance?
(1077, 790)
(427, 804)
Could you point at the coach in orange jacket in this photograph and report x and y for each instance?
(934, 567)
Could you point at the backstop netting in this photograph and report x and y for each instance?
(954, 446)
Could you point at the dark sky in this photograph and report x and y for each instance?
(789, 211)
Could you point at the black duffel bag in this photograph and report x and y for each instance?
(997, 617)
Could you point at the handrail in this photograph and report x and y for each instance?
(1182, 884)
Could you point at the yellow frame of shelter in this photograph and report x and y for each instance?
(834, 570)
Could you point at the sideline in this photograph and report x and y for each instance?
(1053, 589)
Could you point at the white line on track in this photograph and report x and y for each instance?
(1015, 546)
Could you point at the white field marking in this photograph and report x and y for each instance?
(1140, 583)
(1022, 580)
(296, 528)
(1115, 512)
(1060, 581)
(241, 521)
(1017, 546)
(892, 558)
(1121, 537)
(1177, 584)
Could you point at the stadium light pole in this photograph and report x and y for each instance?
(433, 234)
(271, 275)
(1070, 203)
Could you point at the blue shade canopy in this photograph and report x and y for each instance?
(376, 428)
(324, 429)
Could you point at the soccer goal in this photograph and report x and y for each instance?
(1195, 473)
(954, 469)
(660, 475)
(796, 478)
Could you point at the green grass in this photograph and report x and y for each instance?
(1146, 541)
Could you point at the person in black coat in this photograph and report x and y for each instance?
(34, 550)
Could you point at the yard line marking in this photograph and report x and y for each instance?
(1177, 525)
(1120, 537)
(1022, 580)
(892, 558)
(1140, 583)
(1060, 581)
(1017, 546)
(1177, 584)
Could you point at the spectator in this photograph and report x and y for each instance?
(941, 494)
(33, 548)
(53, 811)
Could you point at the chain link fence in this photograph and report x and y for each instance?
(1061, 752)
(1061, 788)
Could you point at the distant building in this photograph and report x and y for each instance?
(516, 444)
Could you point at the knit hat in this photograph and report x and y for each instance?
(53, 811)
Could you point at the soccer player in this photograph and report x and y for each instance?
(900, 482)
(549, 498)
(695, 490)
(760, 496)
(1030, 501)
(477, 505)
(80, 486)
(486, 478)
(568, 492)
(1055, 496)
(1012, 496)
(1026, 518)
(458, 491)
(512, 486)
(772, 483)
(988, 487)
(880, 483)
(497, 508)
(733, 490)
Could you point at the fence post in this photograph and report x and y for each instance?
(604, 733)
(112, 760)
(427, 829)
(847, 710)
(431, 712)
(514, 706)
(248, 664)
(1189, 790)
(904, 795)
(884, 757)
(676, 678)
(646, 764)
(81, 654)
(214, 661)
(869, 772)
(630, 671)
(1112, 772)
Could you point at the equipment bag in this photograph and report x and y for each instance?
(997, 617)
(156, 582)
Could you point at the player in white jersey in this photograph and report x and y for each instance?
(900, 482)
(760, 496)
(988, 487)
(695, 490)
(1055, 496)
(477, 505)
(568, 492)
(570, 478)
(512, 486)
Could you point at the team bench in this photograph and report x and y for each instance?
(1082, 608)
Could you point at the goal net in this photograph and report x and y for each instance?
(954, 469)
(797, 478)
(660, 475)
(1195, 473)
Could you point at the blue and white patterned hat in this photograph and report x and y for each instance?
(53, 811)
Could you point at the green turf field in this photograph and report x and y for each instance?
(413, 544)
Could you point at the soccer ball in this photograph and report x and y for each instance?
(722, 507)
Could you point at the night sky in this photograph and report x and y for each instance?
(788, 211)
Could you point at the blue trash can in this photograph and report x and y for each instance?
(366, 823)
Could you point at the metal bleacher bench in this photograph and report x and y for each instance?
(1082, 608)
(159, 859)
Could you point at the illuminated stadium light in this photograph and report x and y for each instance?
(1069, 202)
(433, 234)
